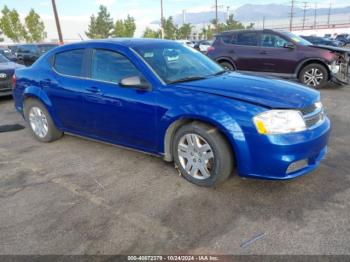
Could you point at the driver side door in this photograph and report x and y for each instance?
(118, 114)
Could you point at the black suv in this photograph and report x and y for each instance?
(27, 54)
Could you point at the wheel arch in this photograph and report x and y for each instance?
(309, 61)
(227, 60)
(177, 123)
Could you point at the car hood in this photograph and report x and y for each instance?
(265, 91)
(333, 48)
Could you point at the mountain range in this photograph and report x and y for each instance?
(254, 12)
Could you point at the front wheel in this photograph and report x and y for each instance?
(227, 66)
(202, 154)
(314, 75)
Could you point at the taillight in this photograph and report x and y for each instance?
(211, 48)
(13, 81)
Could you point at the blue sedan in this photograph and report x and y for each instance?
(166, 99)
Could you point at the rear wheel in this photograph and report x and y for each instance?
(202, 154)
(314, 75)
(40, 121)
(227, 66)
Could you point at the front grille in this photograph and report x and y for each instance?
(313, 115)
(5, 86)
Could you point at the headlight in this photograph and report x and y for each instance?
(279, 122)
(334, 67)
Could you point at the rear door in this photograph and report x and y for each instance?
(244, 50)
(67, 89)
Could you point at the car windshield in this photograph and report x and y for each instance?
(299, 40)
(3, 59)
(174, 62)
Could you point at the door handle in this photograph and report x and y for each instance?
(93, 89)
(263, 52)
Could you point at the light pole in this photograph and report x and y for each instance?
(60, 37)
(161, 19)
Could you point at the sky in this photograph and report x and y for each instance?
(74, 14)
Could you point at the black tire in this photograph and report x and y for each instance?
(223, 162)
(303, 77)
(52, 133)
(227, 65)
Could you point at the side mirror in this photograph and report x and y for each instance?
(289, 46)
(134, 81)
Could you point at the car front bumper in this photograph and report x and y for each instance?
(5, 88)
(281, 157)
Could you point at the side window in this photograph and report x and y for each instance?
(226, 39)
(272, 40)
(246, 38)
(69, 62)
(111, 67)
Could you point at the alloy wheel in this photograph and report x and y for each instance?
(313, 77)
(38, 122)
(196, 156)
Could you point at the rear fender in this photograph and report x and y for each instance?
(38, 94)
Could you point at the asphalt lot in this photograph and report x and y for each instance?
(76, 196)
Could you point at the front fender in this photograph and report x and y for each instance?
(214, 116)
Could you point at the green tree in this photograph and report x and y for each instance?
(149, 33)
(100, 26)
(35, 27)
(125, 28)
(230, 24)
(207, 32)
(11, 25)
(184, 31)
(170, 28)
(119, 29)
(130, 26)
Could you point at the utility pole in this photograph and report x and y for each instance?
(228, 12)
(291, 15)
(60, 37)
(315, 16)
(329, 14)
(304, 14)
(263, 22)
(216, 15)
(161, 19)
(183, 17)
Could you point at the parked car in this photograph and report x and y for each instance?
(345, 38)
(316, 40)
(186, 42)
(13, 49)
(203, 45)
(7, 69)
(8, 54)
(163, 98)
(281, 54)
(27, 54)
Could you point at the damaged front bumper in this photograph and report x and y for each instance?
(340, 66)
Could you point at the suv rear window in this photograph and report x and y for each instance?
(69, 62)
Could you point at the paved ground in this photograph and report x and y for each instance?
(80, 197)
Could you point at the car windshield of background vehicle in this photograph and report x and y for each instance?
(3, 59)
(299, 40)
(178, 63)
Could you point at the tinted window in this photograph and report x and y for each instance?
(226, 39)
(70, 62)
(111, 67)
(246, 38)
(272, 40)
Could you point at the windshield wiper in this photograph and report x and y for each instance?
(187, 79)
(220, 72)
